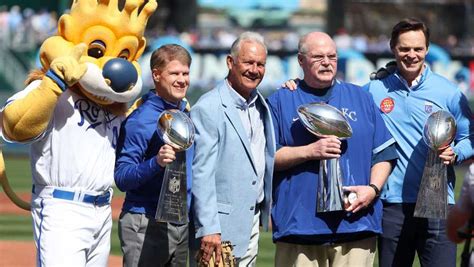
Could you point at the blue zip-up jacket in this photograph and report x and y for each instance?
(136, 171)
(405, 111)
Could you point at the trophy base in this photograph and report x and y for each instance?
(172, 204)
(432, 200)
(330, 197)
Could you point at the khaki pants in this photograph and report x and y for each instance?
(359, 253)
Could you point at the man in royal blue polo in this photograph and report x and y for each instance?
(302, 235)
(140, 165)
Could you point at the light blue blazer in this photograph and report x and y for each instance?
(225, 182)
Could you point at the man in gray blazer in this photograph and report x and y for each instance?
(234, 151)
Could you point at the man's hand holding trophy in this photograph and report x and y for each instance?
(177, 130)
(323, 120)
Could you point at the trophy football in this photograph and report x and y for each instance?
(322, 119)
(438, 133)
(177, 130)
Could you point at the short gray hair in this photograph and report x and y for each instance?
(302, 47)
(320, 36)
(246, 36)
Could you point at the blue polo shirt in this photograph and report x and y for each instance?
(136, 171)
(405, 111)
(294, 214)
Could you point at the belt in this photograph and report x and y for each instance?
(74, 195)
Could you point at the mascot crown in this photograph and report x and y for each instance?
(131, 20)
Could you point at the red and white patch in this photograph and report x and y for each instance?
(387, 105)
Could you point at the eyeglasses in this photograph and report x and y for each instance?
(320, 58)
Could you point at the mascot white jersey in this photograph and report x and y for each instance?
(71, 112)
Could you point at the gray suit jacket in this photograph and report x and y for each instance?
(225, 185)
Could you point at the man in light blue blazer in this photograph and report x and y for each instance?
(234, 152)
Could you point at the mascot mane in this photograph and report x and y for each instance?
(108, 33)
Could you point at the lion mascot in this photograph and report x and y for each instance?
(70, 112)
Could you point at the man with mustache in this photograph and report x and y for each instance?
(303, 236)
(406, 99)
(233, 160)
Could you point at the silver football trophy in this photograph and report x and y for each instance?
(322, 119)
(438, 133)
(177, 130)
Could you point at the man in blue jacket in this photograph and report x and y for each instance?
(303, 236)
(406, 98)
(233, 161)
(141, 160)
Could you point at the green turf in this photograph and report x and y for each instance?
(19, 227)
(115, 249)
(18, 171)
(266, 250)
(15, 227)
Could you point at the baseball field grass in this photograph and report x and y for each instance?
(18, 227)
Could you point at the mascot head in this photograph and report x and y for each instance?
(114, 40)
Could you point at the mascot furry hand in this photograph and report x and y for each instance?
(71, 112)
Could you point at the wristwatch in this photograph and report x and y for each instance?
(376, 189)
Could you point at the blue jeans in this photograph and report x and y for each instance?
(403, 235)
